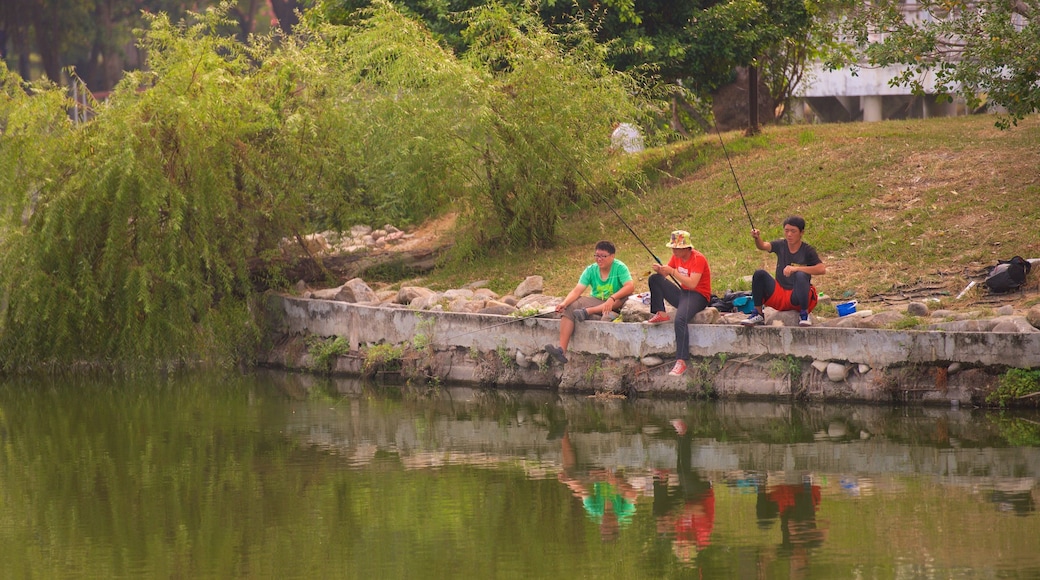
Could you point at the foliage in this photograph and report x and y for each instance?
(1014, 384)
(907, 322)
(542, 126)
(136, 237)
(135, 245)
(786, 366)
(422, 340)
(1017, 431)
(984, 51)
(381, 357)
(325, 351)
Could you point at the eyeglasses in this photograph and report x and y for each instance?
(601, 256)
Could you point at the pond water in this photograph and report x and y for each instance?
(275, 475)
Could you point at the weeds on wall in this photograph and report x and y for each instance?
(1016, 384)
(381, 357)
(325, 351)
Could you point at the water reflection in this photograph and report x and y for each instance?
(684, 501)
(291, 476)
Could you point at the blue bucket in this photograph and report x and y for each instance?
(846, 308)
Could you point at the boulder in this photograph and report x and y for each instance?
(407, 294)
(917, 309)
(356, 290)
(1033, 316)
(530, 285)
(493, 307)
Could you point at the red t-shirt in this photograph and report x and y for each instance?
(696, 263)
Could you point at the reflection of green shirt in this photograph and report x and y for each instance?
(602, 289)
(602, 492)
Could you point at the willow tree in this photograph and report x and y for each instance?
(132, 237)
(548, 106)
(136, 236)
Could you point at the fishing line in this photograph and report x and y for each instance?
(734, 173)
(542, 312)
(605, 202)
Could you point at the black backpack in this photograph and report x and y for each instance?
(1008, 275)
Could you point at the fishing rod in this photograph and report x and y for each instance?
(734, 173)
(541, 312)
(607, 203)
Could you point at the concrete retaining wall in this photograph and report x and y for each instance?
(728, 360)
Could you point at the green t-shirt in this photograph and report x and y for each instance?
(602, 289)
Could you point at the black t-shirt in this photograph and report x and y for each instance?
(805, 256)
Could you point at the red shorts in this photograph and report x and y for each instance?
(781, 299)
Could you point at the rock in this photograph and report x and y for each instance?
(917, 309)
(521, 360)
(863, 369)
(356, 290)
(953, 369)
(1006, 310)
(463, 304)
(1013, 324)
(540, 359)
(1033, 316)
(879, 320)
(325, 294)
(781, 318)
(820, 365)
(651, 361)
(359, 231)
(485, 293)
(493, 307)
(709, 315)
(426, 302)
(836, 430)
(458, 293)
(316, 243)
(509, 299)
(477, 284)
(407, 294)
(837, 372)
(537, 301)
(530, 285)
(301, 287)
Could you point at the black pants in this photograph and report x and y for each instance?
(687, 304)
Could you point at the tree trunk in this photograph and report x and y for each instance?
(285, 12)
(753, 126)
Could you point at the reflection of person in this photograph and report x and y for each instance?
(796, 506)
(690, 269)
(611, 284)
(796, 264)
(686, 511)
(608, 499)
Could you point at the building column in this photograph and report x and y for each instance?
(872, 110)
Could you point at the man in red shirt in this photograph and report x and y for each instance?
(690, 269)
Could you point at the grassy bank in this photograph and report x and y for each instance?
(887, 204)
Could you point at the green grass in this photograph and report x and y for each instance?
(889, 203)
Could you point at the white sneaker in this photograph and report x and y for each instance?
(754, 319)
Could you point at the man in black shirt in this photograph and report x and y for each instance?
(796, 264)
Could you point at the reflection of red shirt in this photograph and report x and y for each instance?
(697, 527)
(783, 495)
